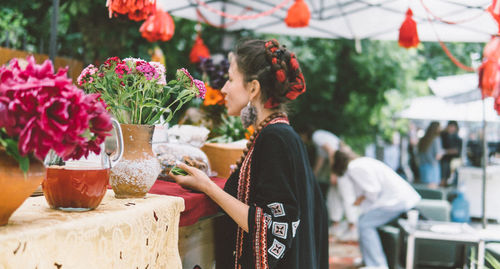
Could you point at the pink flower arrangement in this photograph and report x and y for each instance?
(43, 111)
(137, 91)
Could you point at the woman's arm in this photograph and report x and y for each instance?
(198, 180)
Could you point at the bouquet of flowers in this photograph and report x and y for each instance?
(40, 111)
(137, 92)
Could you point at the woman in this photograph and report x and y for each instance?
(430, 152)
(272, 196)
(382, 195)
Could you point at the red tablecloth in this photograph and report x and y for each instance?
(197, 205)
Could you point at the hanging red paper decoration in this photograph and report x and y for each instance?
(137, 10)
(142, 10)
(159, 26)
(199, 50)
(298, 14)
(408, 35)
(489, 73)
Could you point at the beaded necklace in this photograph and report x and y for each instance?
(259, 128)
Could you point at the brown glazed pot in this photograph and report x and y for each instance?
(139, 168)
(221, 156)
(15, 186)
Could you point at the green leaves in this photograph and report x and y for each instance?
(178, 171)
(230, 130)
(11, 148)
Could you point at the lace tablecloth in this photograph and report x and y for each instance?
(120, 233)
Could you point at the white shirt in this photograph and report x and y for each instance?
(321, 138)
(380, 185)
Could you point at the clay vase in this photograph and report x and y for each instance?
(16, 186)
(139, 168)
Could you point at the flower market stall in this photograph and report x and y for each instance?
(109, 201)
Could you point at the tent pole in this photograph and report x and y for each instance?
(53, 30)
(484, 164)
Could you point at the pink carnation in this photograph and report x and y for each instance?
(200, 85)
(86, 75)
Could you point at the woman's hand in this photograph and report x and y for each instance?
(196, 179)
(333, 179)
(359, 200)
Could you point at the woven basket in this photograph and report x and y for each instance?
(222, 156)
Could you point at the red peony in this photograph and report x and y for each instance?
(46, 111)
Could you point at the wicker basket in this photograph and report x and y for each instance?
(222, 156)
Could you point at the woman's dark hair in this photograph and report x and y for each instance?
(431, 133)
(341, 160)
(276, 69)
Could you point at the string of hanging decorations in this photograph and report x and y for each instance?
(427, 9)
(244, 17)
(448, 52)
(204, 19)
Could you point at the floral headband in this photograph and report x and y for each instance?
(296, 84)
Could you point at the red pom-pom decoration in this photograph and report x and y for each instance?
(298, 15)
(408, 35)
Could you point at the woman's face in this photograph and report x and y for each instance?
(236, 94)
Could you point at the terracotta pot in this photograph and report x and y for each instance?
(222, 156)
(15, 186)
(139, 168)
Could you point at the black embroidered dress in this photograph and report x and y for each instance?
(287, 218)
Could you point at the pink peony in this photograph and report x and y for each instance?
(46, 111)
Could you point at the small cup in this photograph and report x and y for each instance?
(412, 218)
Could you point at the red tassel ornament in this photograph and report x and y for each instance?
(489, 73)
(159, 26)
(408, 35)
(198, 51)
(298, 15)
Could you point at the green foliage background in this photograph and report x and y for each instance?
(355, 94)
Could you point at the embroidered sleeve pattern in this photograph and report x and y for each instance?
(261, 224)
(273, 233)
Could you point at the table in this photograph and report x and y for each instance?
(120, 233)
(197, 223)
(197, 205)
(465, 233)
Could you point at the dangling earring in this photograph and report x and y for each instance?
(248, 115)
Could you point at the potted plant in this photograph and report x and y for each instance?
(42, 111)
(139, 97)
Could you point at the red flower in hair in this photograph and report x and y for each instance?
(294, 63)
(271, 103)
(273, 49)
(280, 75)
(297, 88)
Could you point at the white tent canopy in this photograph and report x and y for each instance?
(436, 108)
(361, 19)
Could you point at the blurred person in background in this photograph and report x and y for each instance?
(452, 146)
(339, 195)
(381, 193)
(430, 152)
